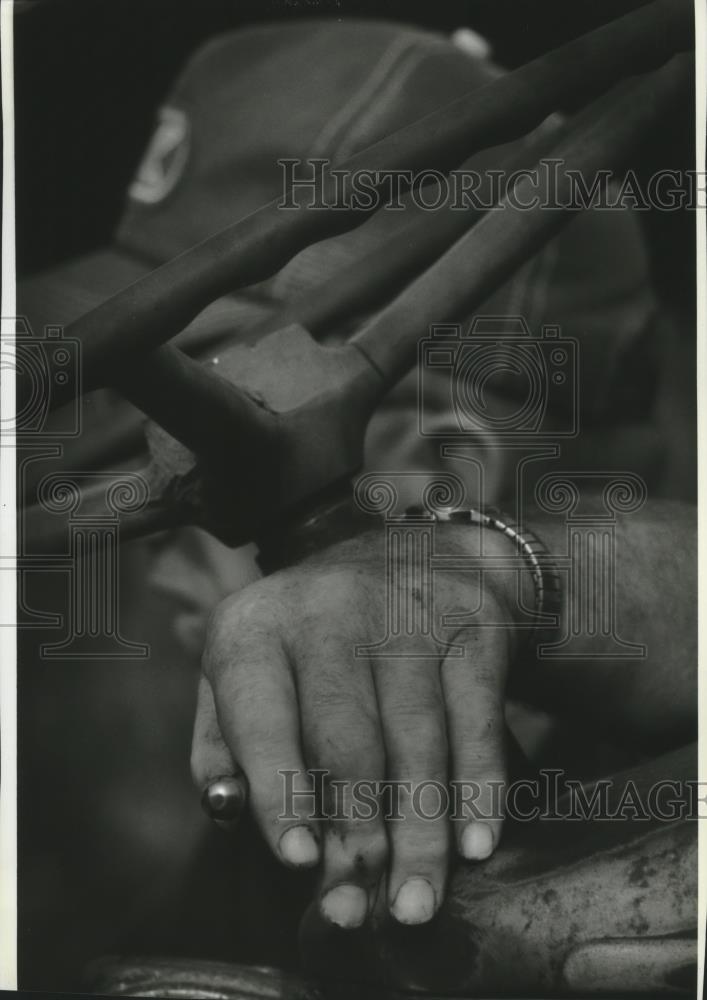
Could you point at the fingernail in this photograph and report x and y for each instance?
(477, 841)
(346, 906)
(415, 902)
(299, 847)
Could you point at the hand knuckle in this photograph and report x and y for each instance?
(364, 843)
(421, 734)
(343, 763)
(486, 748)
(376, 849)
(423, 852)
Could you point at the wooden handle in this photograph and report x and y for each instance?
(159, 305)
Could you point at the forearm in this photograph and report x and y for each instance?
(642, 700)
(646, 700)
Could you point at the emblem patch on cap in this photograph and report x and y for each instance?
(165, 158)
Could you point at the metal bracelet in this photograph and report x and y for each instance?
(546, 578)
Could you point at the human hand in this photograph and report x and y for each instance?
(284, 691)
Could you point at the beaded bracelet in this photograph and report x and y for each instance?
(546, 578)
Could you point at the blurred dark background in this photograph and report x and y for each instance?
(90, 74)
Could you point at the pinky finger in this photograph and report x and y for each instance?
(223, 786)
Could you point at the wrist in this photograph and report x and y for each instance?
(516, 570)
(334, 518)
(502, 586)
